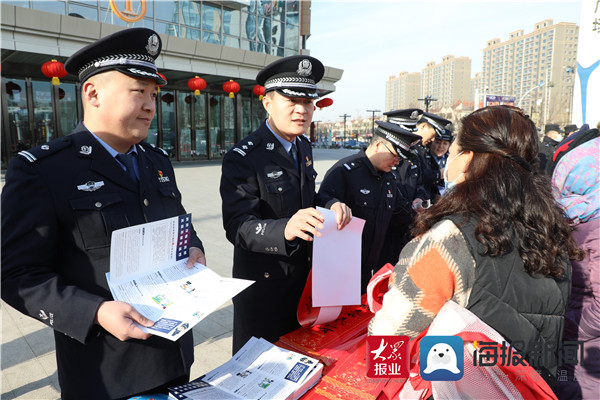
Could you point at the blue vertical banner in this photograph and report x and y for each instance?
(586, 92)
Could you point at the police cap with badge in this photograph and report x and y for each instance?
(401, 139)
(406, 118)
(441, 125)
(130, 51)
(293, 76)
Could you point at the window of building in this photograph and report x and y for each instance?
(55, 7)
(83, 11)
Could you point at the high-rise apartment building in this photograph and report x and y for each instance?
(475, 85)
(537, 68)
(449, 82)
(403, 91)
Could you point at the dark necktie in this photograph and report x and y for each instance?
(294, 154)
(127, 161)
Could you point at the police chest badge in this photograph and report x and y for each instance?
(365, 191)
(275, 174)
(90, 186)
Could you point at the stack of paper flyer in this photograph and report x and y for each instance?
(148, 270)
(259, 370)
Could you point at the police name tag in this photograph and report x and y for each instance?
(90, 186)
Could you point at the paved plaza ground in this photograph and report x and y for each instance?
(27, 351)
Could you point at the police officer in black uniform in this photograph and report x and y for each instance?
(428, 126)
(268, 195)
(60, 204)
(365, 182)
(437, 155)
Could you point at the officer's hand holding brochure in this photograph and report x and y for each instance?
(148, 270)
(259, 370)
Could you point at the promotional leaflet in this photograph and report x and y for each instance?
(259, 370)
(148, 270)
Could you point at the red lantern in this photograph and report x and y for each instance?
(162, 76)
(326, 102)
(197, 84)
(259, 91)
(55, 70)
(232, 87)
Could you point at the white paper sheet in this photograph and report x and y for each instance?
(336, 262)
(148, 270)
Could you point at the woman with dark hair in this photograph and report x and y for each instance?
(496, 243)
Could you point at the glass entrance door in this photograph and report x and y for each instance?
(18, 134)
(168, 128)
(192, 125)
(44, 129)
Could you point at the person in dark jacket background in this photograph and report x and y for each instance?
(364, 182)
(268, 194)
(61, 202)
(553, 136)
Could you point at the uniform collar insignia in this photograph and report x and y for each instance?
(270, 146)
(90, 186)
(86, 150)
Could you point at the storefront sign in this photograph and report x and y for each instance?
(127, 14)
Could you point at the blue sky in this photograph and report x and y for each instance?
(373, 40)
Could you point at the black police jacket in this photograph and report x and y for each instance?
(260, 190)
(60, 204)
(430, 171)
(375, 197)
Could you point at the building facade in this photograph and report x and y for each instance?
(449, 82)
(538, 68)
(403, 91)
(217, 41)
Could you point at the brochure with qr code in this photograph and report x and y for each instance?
(259, 370)
(148, 270)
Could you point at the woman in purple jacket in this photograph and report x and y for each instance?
(576, 181)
